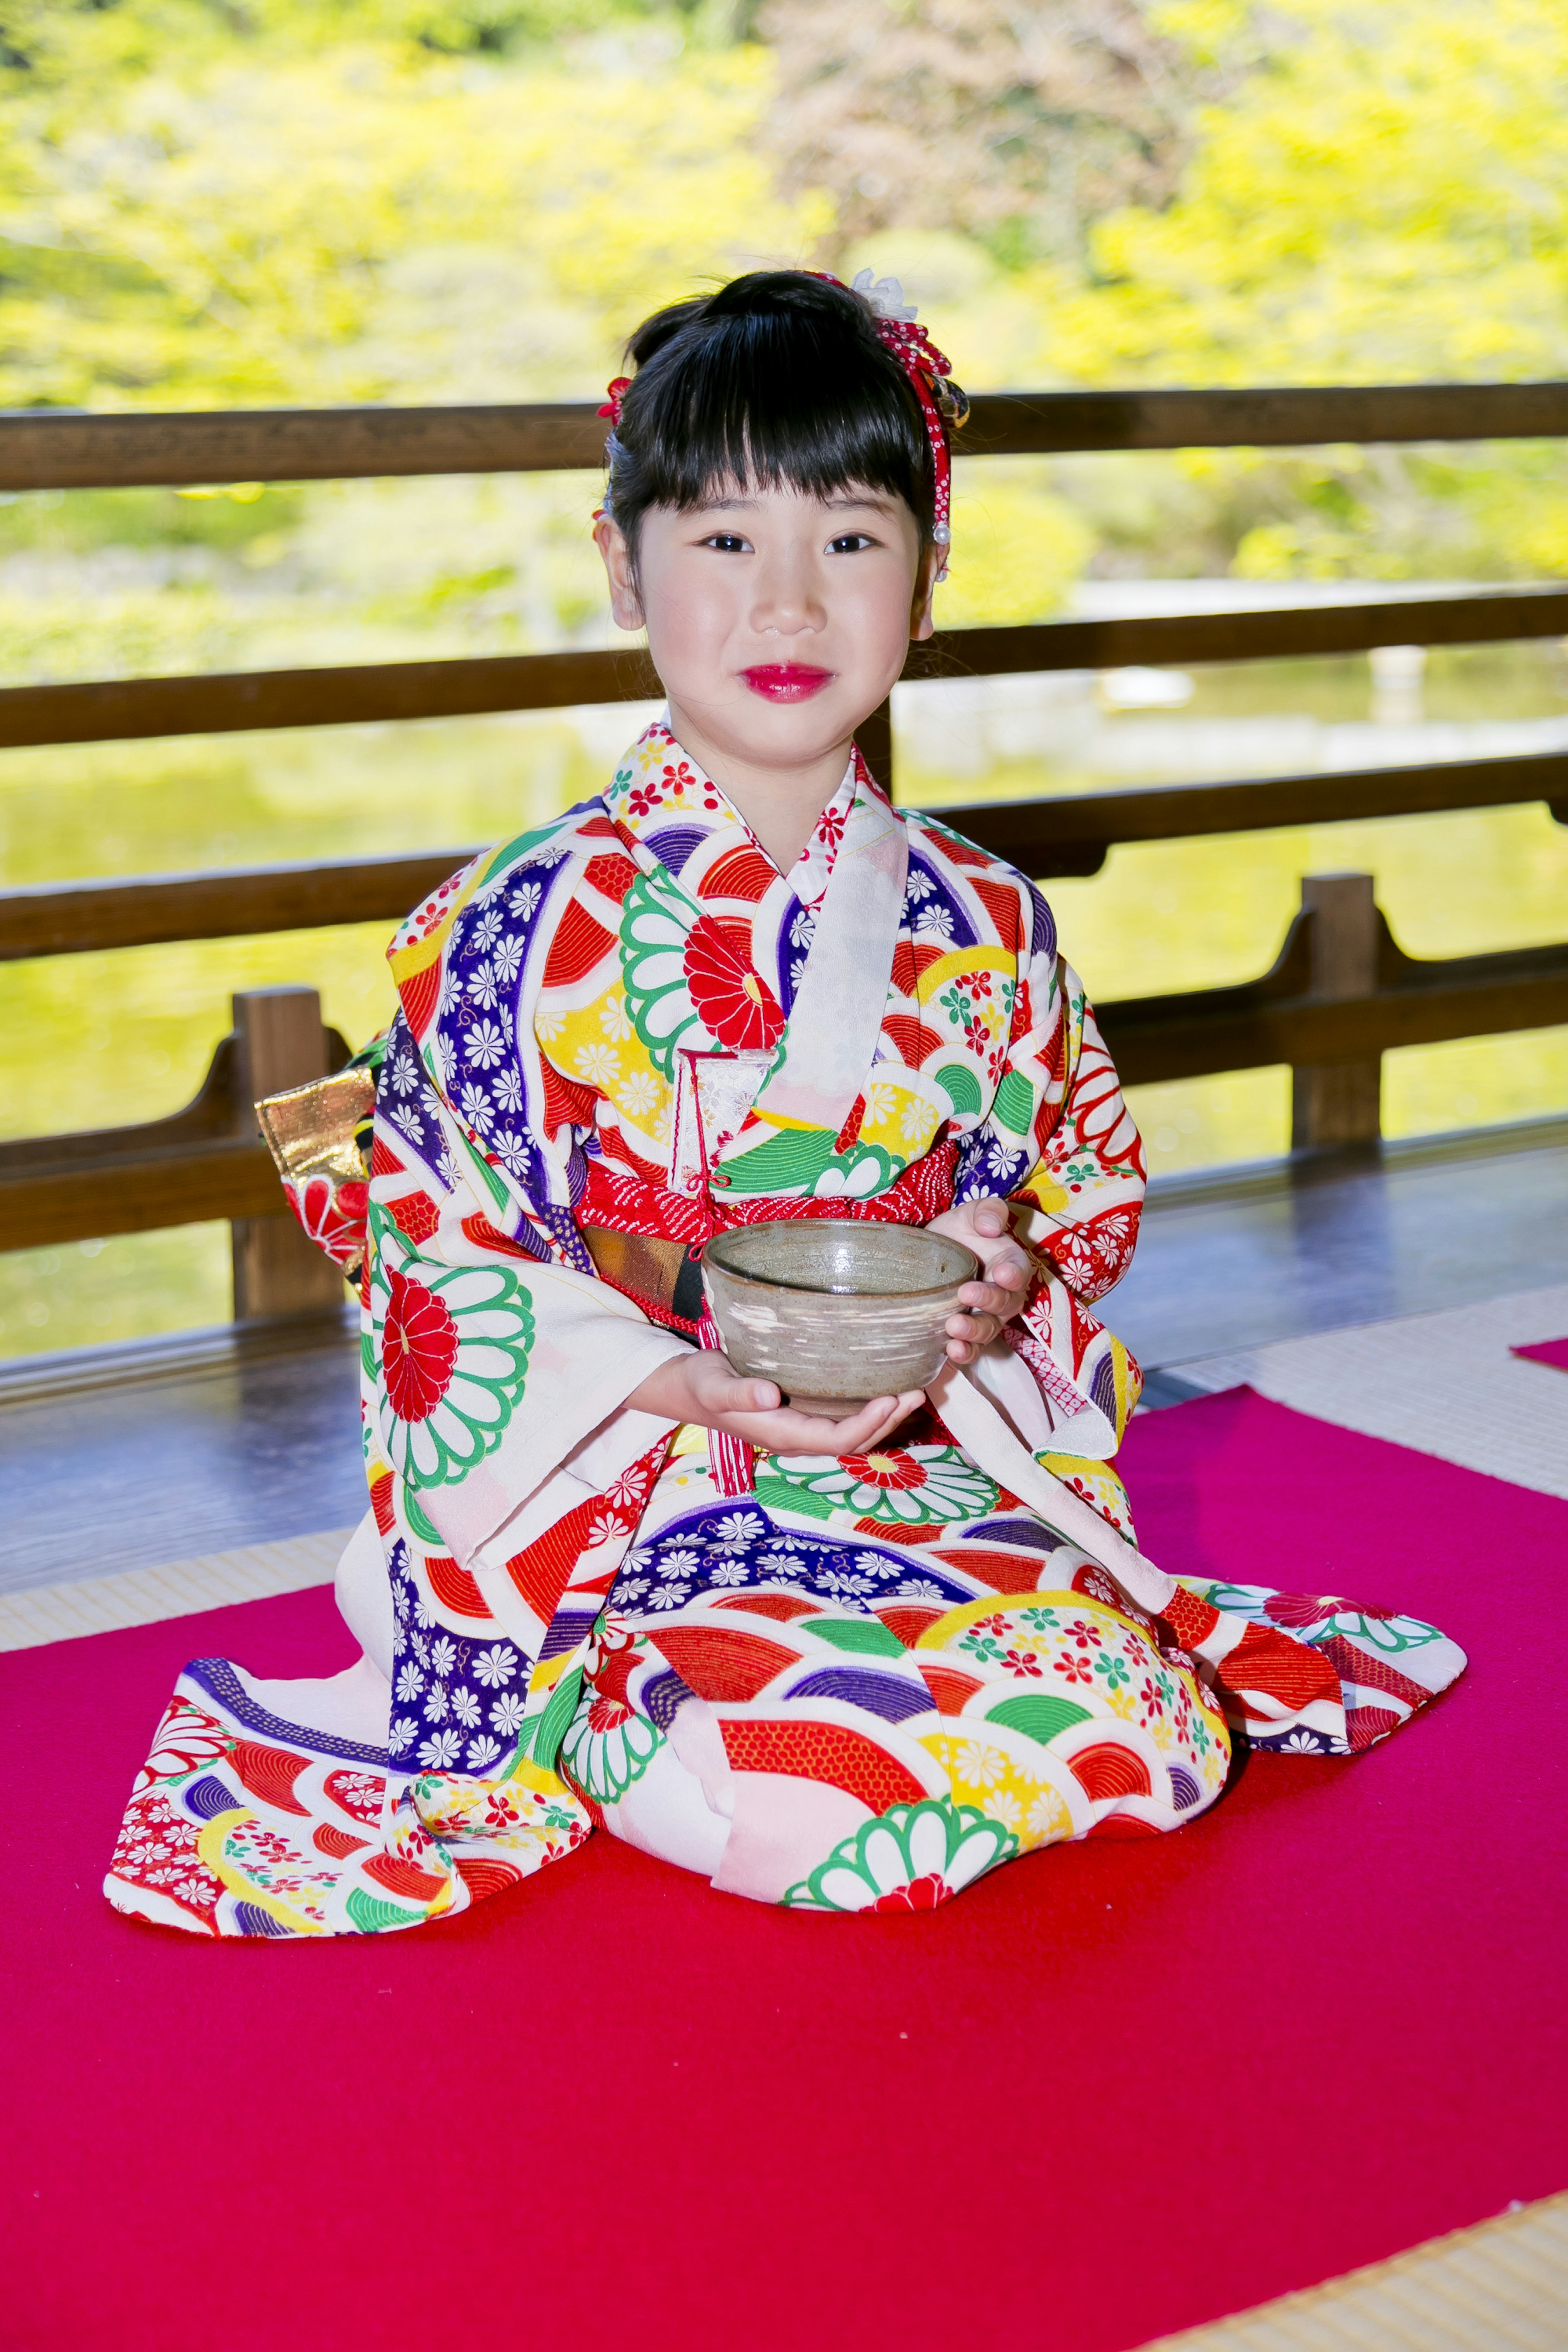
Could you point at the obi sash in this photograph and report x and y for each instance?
(647, 1242)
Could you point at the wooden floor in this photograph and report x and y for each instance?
(131, 1457)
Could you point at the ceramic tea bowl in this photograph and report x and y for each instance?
(833, 1310)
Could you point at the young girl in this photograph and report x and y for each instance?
(605, 1580)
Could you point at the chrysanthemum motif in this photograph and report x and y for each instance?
(453, 1343)
(910, 1858)
(606, 1748)
(913, 1486)
(333, 1215)
(687, 982)
(729, 999)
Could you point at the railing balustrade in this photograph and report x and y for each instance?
(1340, 993)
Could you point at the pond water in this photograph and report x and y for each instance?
(96, 1040)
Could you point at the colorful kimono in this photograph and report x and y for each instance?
(839, 1684)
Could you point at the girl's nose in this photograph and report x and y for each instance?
(788, 599)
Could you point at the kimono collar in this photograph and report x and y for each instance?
(660, 798)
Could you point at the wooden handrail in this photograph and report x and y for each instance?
(1067, 835)
(67, 449)
(81, 917)
(120, 709)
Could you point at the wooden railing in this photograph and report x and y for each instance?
(1340, 993)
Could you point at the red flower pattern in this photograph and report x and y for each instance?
(919, 1895)
(733, 1002)
(333, 1216)
(884, 1470)
(421, 1348)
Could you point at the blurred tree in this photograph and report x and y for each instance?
(1019, 122)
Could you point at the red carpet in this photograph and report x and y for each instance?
(1117, 2089)
(1548, 1351)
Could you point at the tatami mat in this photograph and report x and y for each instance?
(143, 1596)
(1443, 1384)
(1499, 2287)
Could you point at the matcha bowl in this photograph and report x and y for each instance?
(834, 1309)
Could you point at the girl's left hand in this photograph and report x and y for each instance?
(986, 1228)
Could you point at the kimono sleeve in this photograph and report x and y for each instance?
(1061, 1145)
(490, 1364)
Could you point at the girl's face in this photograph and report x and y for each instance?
(776, 620)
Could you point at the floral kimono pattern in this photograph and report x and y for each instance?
(838, 1684)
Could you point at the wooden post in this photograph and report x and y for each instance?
(281, 1044)
(874, 737)
(1339, 1102)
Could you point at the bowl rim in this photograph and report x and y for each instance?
(819, 1290)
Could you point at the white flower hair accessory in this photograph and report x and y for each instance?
(885, 296)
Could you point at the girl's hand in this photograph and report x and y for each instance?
(705, 1388)
(986, 1228)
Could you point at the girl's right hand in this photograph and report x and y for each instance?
(704, 1387)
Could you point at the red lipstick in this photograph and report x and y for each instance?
(786, 681)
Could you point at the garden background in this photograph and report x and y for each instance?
(232, 203)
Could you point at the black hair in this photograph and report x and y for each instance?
(779, 379)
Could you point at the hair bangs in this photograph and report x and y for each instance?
(777, 381)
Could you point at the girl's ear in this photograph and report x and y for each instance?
(922, 624)
(625, 603)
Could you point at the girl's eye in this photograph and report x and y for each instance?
(849, 542)
(727, 542)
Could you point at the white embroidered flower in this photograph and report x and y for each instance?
(435, 1706)
(482, 1752)
(406, 1117)
(874, 1563)
(918, 1587)
(598, 1064)
(612, 1020)
(919, 884)
(495, 1665)
(403, 1072)
(630, 1588)
(464, 1708)
(727, 1571)
(507, 960)
(482, 989)
(684, 1562)
(638, 1094)
(511, 1150)
(933, 922)
(885, 295)
(855, 1587)
(508, 1085)
(739, 1527)
(487, 931)
(803, 929)
(668, 1596)
(403, 1731)
(524, 899)
(547, 1026)
(474, 1104)
(438, 1753)
(507, 1714)
(485, 1045)
(982, 1765)
(410, 1681)
(443, 1655)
